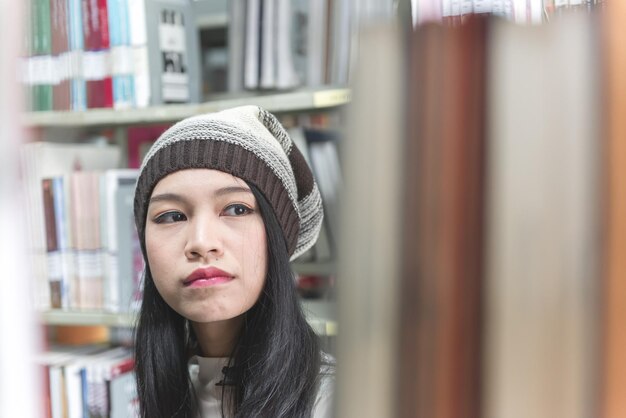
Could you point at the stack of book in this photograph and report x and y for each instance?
(81, 230)
(93, 254)
(282, 44)
(84, 54)
(88, 381)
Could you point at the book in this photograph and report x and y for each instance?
(53, 254)
(442, 238)
(97, 54)
(542, 263)
(236, 44)
(121, 54)
(139, 46)
(286, 76)
(60, 46)
(613, 287)
(122, 390)
(78, 89)
(251, 61)
(45, 160)
(121, 279)
(59, 260)
(368, 350)
(41, 75)
(268, 64)
(317, 43)
(87, 291)
(324, 161)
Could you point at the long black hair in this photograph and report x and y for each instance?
(275, 362)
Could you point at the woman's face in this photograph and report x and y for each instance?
(206, 244)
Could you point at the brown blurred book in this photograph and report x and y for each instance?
(613, 385)
(442, 259)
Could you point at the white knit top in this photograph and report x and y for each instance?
(206, 372)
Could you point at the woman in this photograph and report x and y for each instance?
(223, 202)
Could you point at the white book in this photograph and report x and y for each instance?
(367, 350)
(139, 45)
(117, 230)
(543, 225)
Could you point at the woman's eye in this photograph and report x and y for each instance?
(237, 210)
(170, 217)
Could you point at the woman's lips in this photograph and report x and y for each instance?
(208, 276)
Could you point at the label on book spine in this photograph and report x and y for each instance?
(62, 68)
(121, 60)
(54, 264)
(75, 62)
(467, 7)
(41, 70)
(174, 70)
(89, 264)
(96, 65)
(483, 6)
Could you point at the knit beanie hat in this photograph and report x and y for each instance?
(247, 142)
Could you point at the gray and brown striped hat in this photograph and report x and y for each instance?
(247, 142)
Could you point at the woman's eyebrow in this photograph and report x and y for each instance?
(167, 197)
(232, 189)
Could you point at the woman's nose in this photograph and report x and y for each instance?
(204, 239)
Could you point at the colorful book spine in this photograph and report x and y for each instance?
(41, 71)
(53, 256)
(88, 288)
(121, 54)
(61, 221)
(60, 54)
(78, 92)
(97, 57)
(139, 49)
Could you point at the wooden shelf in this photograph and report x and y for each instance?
(283, 102)
(320, 314)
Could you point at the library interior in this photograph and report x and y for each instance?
(451, 169)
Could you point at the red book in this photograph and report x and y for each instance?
(96, 59)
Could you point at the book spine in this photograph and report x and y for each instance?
(62, 239)
(121, 58)
(52, 248)
(139, 52)
(109, 242)
(43, 66)
(251, 62)
(96, 59)
(78, 88)
(175, 77)
(60, 54)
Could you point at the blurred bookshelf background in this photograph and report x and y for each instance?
(469, 153)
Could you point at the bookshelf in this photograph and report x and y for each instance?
(284, 102)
